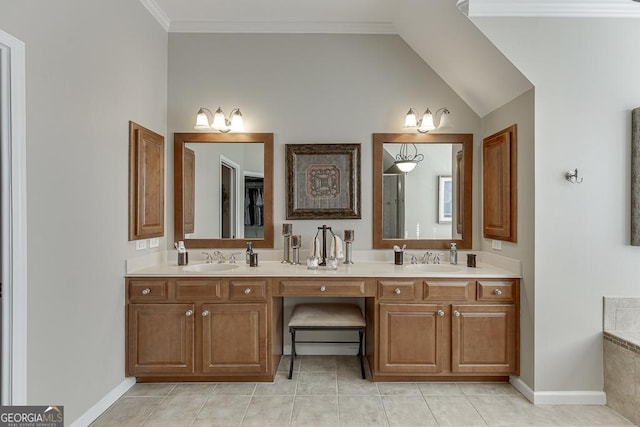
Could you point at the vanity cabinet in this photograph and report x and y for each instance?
(231, 328)
(446, 328)
(200, 329)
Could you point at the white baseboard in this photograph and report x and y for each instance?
(323, 349)
(96, 410)
(579, 397)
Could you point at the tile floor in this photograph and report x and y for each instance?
(328, 391)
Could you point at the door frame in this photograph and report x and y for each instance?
(14, 221)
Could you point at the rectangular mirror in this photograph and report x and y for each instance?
(430, 206)
(223, 189)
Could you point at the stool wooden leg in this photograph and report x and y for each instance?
(361, 354)
(293, 350)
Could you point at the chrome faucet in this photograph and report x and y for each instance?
(436, 258)
(208, 257)
(425, 257)
(414, 259)
(232, 257)
(221, 258)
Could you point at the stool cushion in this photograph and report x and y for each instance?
(327, 315)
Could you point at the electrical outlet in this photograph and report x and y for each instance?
(154, 243)
(496, 245)
(141, 244)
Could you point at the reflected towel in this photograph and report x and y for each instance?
(316, 247)
(336, 248)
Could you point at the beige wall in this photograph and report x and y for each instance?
(308, 89)
(91, 67)
(520, 111)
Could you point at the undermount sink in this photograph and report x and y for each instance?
(433, 268)
(206, 268)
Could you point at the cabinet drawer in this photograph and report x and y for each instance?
(496, 290)
(456, 290)
(248, 290)
(397, 290)
(207, 289)
(322, 288)
(148, 290)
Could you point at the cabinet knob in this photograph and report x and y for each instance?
(247, 291)
(497, 292)
(205, 313)
(397, 291)
(323, 288)
(456, 313)
(189, 313)
(441, 313)
(146, 291)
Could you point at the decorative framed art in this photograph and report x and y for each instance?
(323, 181)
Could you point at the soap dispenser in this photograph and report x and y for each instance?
(249, 252)
(453, 254)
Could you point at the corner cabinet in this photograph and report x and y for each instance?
(445, 328)
(201, 329)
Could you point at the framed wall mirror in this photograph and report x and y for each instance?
(223, 189)
(430, 206)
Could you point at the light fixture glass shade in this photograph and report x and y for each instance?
(411, 120)
(237, 124)
(445, 120)
(219, 122)
(426, 124)
(406, 166)
(202, 121)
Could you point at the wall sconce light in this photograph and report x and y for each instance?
(407, 160)
(218, 121)
(427, 124)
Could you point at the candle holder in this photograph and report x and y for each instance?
(287, 231)
(296, 242)
(349, 236)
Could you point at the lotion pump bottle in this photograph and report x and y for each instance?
(453, 254)
(249, 252)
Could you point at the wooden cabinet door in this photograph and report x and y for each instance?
(234, 339)
(499, 185)
(410, 338)
(146, 183)
(484, 339)
(160, 339)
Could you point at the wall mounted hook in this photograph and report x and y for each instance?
(572, 177)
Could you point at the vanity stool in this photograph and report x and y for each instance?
(327, 317)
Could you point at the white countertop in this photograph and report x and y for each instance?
(359, 269)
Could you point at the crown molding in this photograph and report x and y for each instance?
(551, 8)
(157, 13)
(308, 27)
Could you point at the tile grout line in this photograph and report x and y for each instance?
(206, 400)
(244, 414)
(157, 406)
(476, 409)
(295, 395)
(428, 407)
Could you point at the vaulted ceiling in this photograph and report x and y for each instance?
(435, 29)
